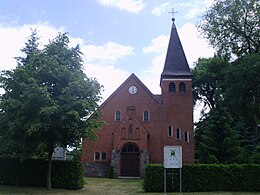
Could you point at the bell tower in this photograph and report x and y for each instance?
(177, 100)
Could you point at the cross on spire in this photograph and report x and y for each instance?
(173, 12)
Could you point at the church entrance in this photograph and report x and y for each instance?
(130, 160)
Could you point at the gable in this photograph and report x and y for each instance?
(132, 92)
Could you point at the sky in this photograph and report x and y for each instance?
(117, 37)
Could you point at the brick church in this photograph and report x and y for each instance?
(139, 123)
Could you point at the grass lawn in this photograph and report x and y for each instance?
(99, 186)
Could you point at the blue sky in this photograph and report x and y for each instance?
(117, 37)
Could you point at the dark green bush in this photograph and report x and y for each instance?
(32, 172)
(202, 177)
(111, 172)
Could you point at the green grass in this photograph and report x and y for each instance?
(100, 186)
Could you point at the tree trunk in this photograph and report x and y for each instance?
(49, 169)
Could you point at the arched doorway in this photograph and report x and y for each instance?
(130, 160)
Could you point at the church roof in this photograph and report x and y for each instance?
(124, 84)
(176, 65)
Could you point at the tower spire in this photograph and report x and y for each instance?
(176, 65)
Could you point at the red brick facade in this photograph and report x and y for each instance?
(139, 124)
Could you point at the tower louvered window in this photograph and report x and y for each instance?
(172, 88)
(182, 87)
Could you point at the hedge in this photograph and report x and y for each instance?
(203, 177)
(32, 172)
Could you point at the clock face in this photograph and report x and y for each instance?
(132, 90)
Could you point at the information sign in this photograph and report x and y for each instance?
(172, 157)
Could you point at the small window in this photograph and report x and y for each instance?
(186, 137)
(178, 134)
(172, 87)
(146, 116)
(97, 156)
(182, 87)
(170, 131)
(117, 116)
(104, 156)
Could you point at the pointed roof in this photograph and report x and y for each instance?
(176, 65)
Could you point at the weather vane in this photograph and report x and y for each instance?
(173, 12)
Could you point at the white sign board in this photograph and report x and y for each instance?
(172, 156)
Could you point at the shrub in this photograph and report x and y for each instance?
(32, 172)
(202, 177)
(111, 172)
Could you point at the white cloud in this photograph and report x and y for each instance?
(13, 39)
(134, 6)
(159, 10)
(195, 8)
(193, 12)
(208, 3)
(108, 76)
(105, 54)
(99, 63)
(158, 45)
(193, 45)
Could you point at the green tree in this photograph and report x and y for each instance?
(232, 26)
(208, 80)
(48, 100)
(243, 93)
(216, 140)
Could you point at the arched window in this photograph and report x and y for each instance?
(97, 156)
(172, 87)
(186, 137)
(170, 131)
(182, 87)
(178, 134)
(146, 116)
(117, 116)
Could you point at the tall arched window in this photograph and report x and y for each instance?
(170, 131)
(182, 87)
(172, 87)
(117, 116)
(186, 137)
(146, 116)
(178, 134)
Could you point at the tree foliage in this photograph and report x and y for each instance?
(232, 26)
(208, 81)
(233, 87)
(243, 89)
(48, 99)
(216, 141)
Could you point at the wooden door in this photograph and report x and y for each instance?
(130, 161)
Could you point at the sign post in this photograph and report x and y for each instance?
(172, 159)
